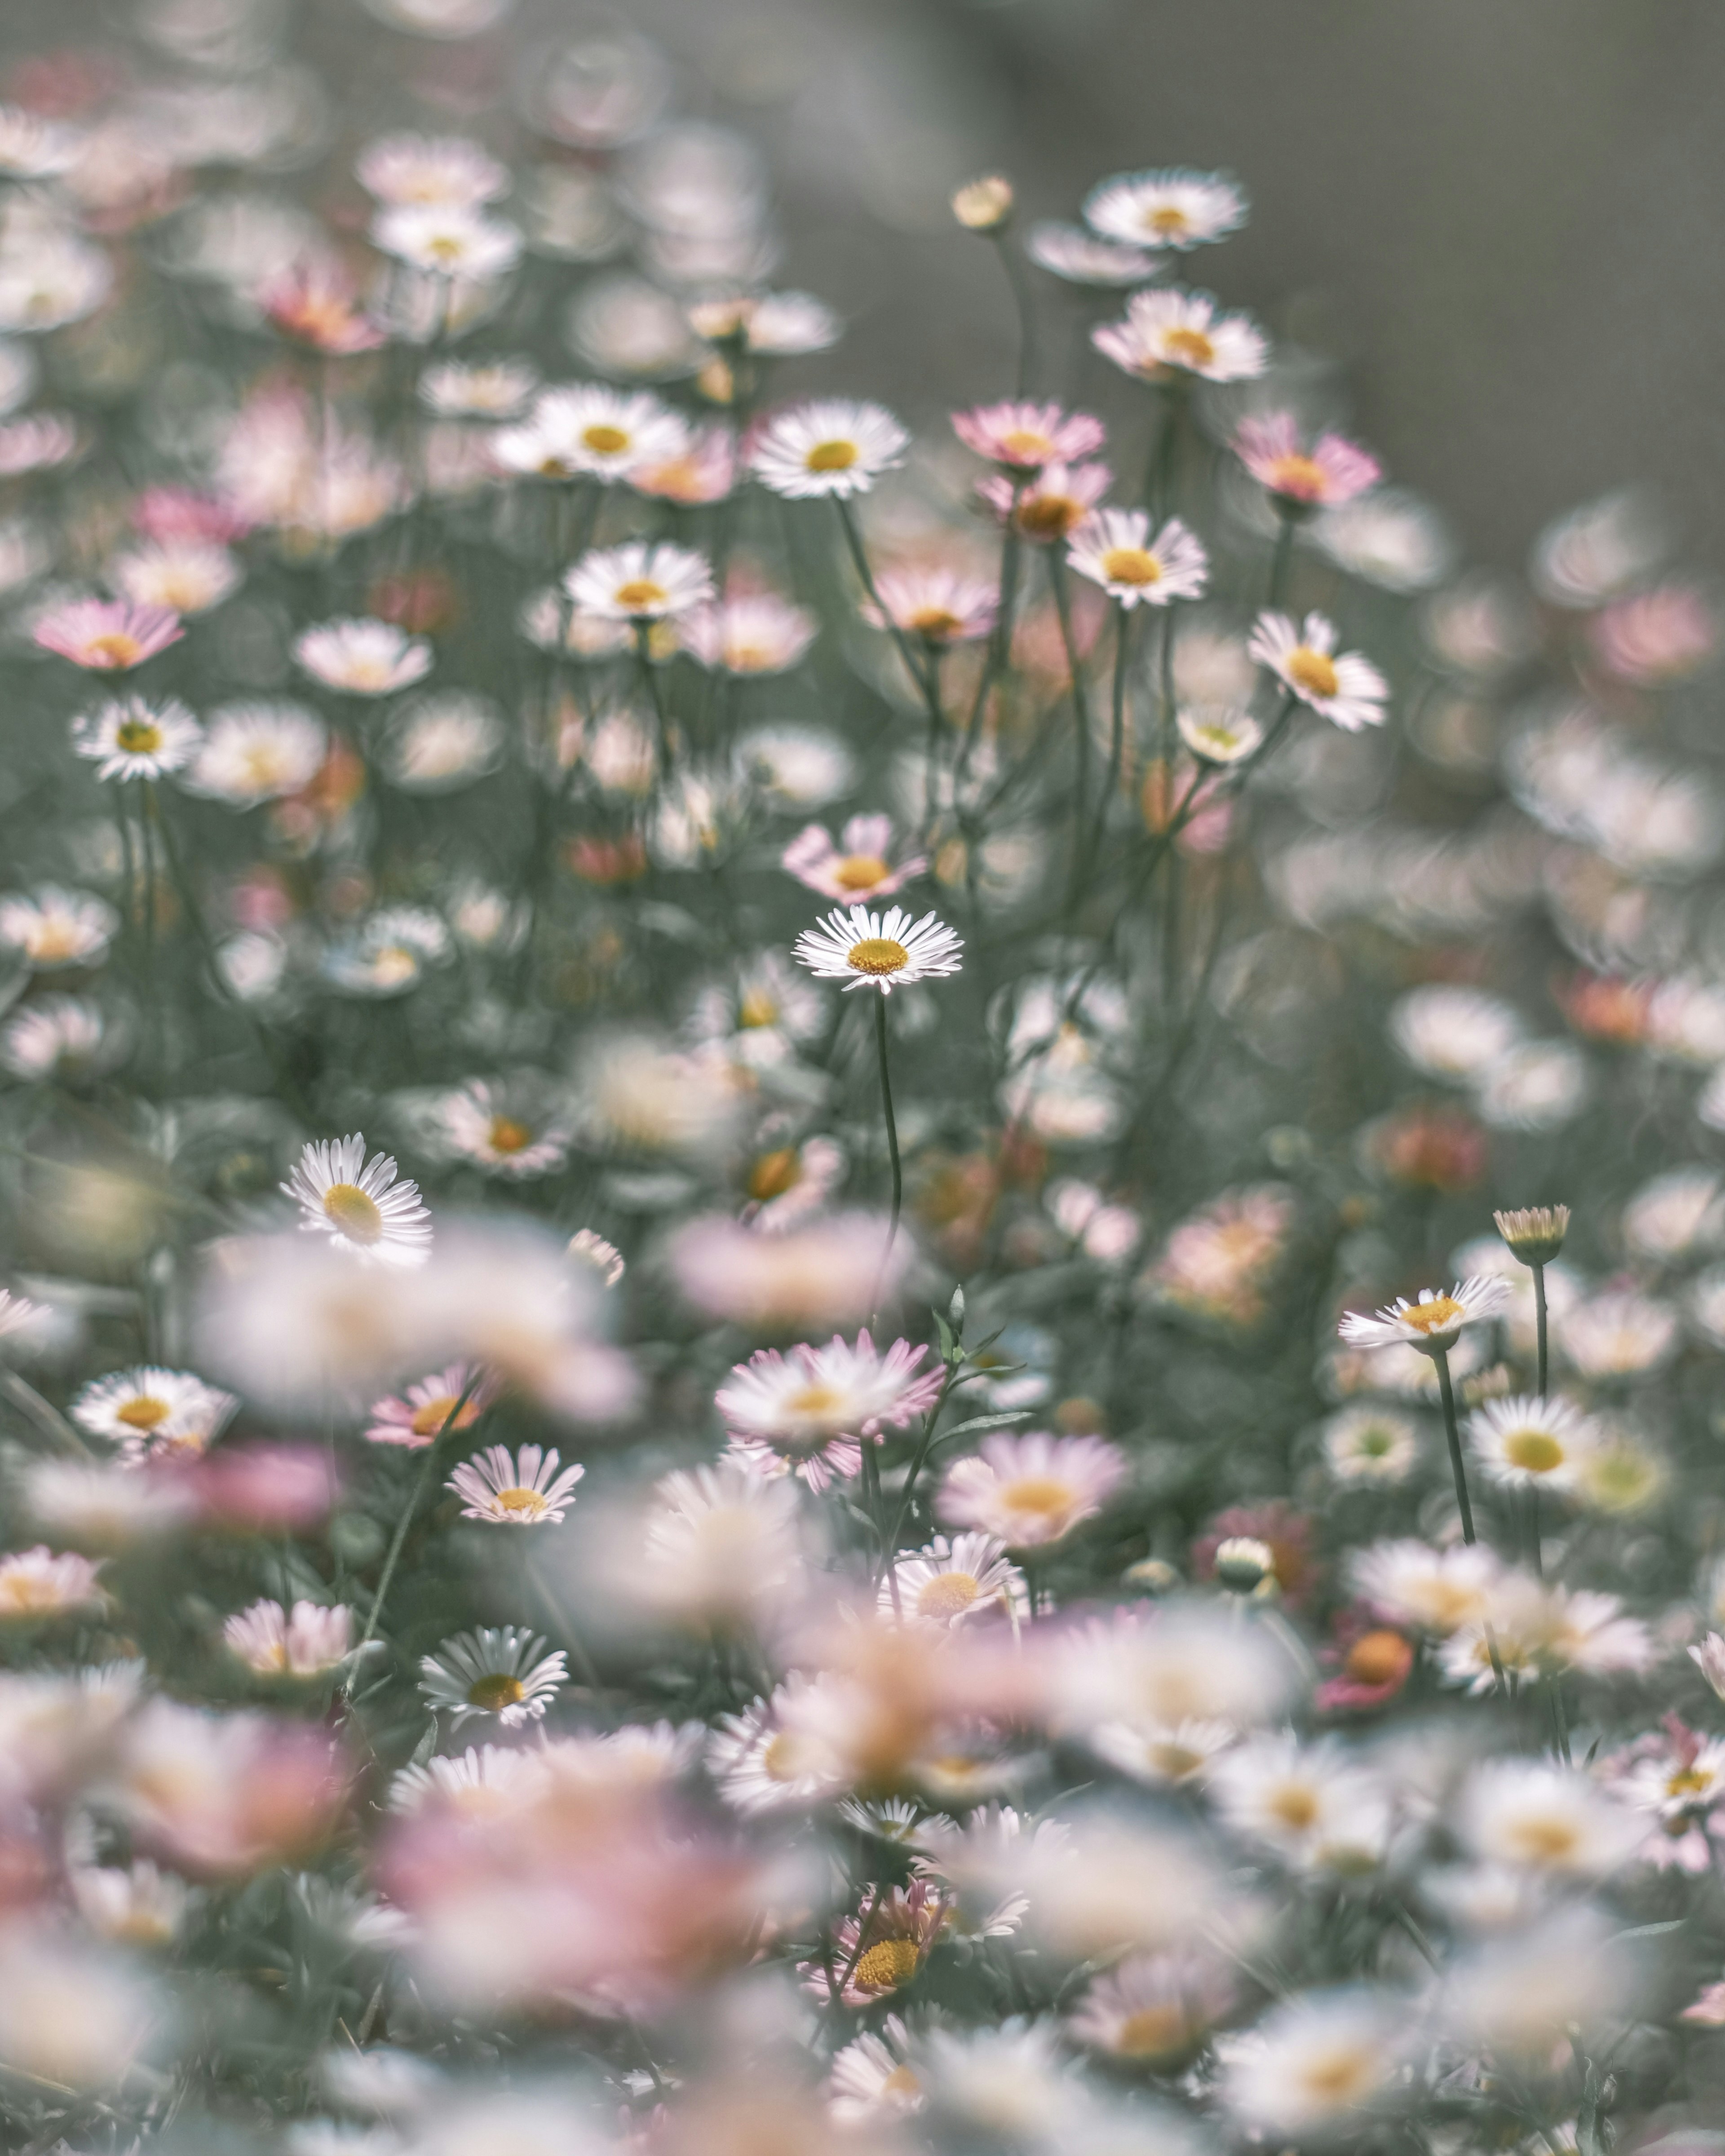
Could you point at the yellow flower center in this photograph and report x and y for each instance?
(1438, 1316)
(888, 1964)
(507, 1136)
(901, 2082)
(1294, 1807)
(1152, 2032)
(1189, 348)
(1545, 1841)
(430, 1417)
(1175, 1761)
(604, 441)
(520, 1500)
(877, 955)
(934, 621)
(774, 1173)
(392, 965)
(355, 1214)
(822, 1401)
(263, 766)
(640, 595)
(831, 456)
(783, 1758)
(1167, 221)
(1024, 446)
(1214, 739)
(860, 871)
(1341, 2076)
(495, 1692)
(1313, 671)
(114, 647)
(948, 1596)
(757, 1008)
(1132, 565)
(55, 941)
(137, 736)
(143, 1413)
(1686, 1782)
(1301, 476)
(446, 247)
(1534, 1451)
(1038, 1493)
(1047, 515)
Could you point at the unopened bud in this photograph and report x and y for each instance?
(983, 205)
(1244, 1565)
(1535, 1234)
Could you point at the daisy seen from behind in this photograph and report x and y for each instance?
(360, 1204)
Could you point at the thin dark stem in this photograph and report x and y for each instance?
(1171, 910)
(898, 1179)
(1541, 1324)
(1013, 263)
(644, 653)
(1457, 1466)
(1282, 560)
(858, 555)
(937, 728)
(1000, 644)
(1117, 729)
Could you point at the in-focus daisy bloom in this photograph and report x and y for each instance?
(807, 1411)
(1176, 209)
(363, 657)
(107, 636)
(514, 1490)
(1170, 334)
(359, 1202)
(1313, 2064)
(883, 1951)
(1434, 1321)
(1051, 503)
(1114, 548)
(1330, 469)
(831, 447)
(447, 240)
(1024, 438)
(640, 584)
(131, 739)
(1032, 1488)
(590, 431)
(884, 951)
(37, 1582)
(749, 633)
(1342, 687)
(940, 605)
(423, 1411)
(302, 1643)
(257, 752)
(442, 169)
(151, 1412)
(1217, 734)
(948, 1583)
(1531, 1444)
(860, 866)
(184, 576)
(499, 1670)
(53, 927)
(1534, 1232)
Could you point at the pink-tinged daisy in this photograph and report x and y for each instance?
(703, 470)
(782, 324)
(884, 951)
(53, 927)
(1176, 209)
(415, 1417)
(589, 431)
(805, 1412)
(272, 1642)
(1068, 251)
(762, 1762)
(942, 606)
(314, 300)
(1050, 504)
(107, 636)
(749, 633)
(132, 739)
(41, 1582)
(179, 514)
(1167, 334)
(1026, 437)
(1343, 687)
(445, 169)
(829, 447)
(1435, 1320)
(504, 1128)
(1032, 1488)
(946, 1584)
(360, 1202)
(1114, 548)
(857, 867)
(362, 656)
(184, 576)
(37, 442)
(516, 1490)
(883, 1951)
(1331, 469)
(870, 2079)
(638, 583)
(1655, 637)
(1154, 2010)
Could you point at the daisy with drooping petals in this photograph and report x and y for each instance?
(135, 740)
(501, 1669)
(1435, 1320)
(831, 447)
(42, 1582)
(805, 1412)
(1026, 437)
(1219, 735)
(942, 606)
(418, 1415)
(150, 1412)
(1114, 549)
(1531, 1444)
(1168, 334)
(856, 869)
(445, 169)
(1031, 1488)
(640, 584)
(590, 431)
(362, 656)
(359, 1202)
(1343, 687)
(749, 633)
(1068, 251)
(946, 1584)
(274, 1643)
(107, 636)
(1333, 469)
(1176, 208)
(53, 927)
(1052, 503)
(517, 1491)
(884, 951)
(253, 752)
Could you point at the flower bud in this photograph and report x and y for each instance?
(983, 205)
(1535, 1234)
(1244, 1565)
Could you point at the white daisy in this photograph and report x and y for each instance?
(884, 951)
(131, 739)
(1342, 687)
(54, 927)
(488, 389)
(517, 1491)
(362, 656)
(1170, 333)
(440, 741)
(780, 324)
(946, 1583)
(809, 1411)
(831, 446)
(1371, 1445)
(1082, 258)
(272, 1642)
(1176, 208)
(151, 1411)
(43, 1583)
(499, 1670)
(1312, 2063)
(1219, 733)
(870, 2080)
(502, 1128)
(1530, 1443)
(1031, 1488)
(1113, 548)
(449, 170)
(17, 1312)
(447, 240)
(389, 953)
(1170, 1755)
(763, 1760)
(57, 1037)
(589, 431)
(359, 1202)
(1451, 1031)
(486, 1782)
(592, 1250)
(1435, 1320)
(187, 576)
(257, 752)
(640, 582)
(1550, 1819)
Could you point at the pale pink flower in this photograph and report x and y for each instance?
(362, 656)
(1333, 469)
(414, 1417)
(107, 636)
(856, 870)
(827, 1273)
(219, 1795)
(879, 1953)
(1031, 1487)
(940, 605)
(1655, 637)
(1051, 504)
(749, 633)
(806, 1411)
(1167, 333)
(315, 301)
(1026, 437)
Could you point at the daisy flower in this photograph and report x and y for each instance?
(131, 739)
(486, 1782)
(1170, 334)
(1114, 548)
(702, 472)
(387, 953)
(942, 606)
(640, 582)
(883, 1951)
(1031, 1488)
(1374, 1445)
(1311, 2064)
(762, 1764)
(1620, 1333)
(1052, 503)
(442, 741)
(363, 657)
(17, 1312)
(1217, 734)
(182, 576)
(884, 951)
(870, 2078)
(1155, 2008)
(856, 868)
(150, 1412)
(1068, 251)
(416, 1416)
(946, 1583)
(983, 205)
(499, 1670)
(1176, 209)
(806, 1411)
(782, 325)
(1550, 1819)
(499, 1129)
(39, 1583)
(1435, 1320)
(831, 446)
(1530, 1443)
(359, 1202)
(1451, 1031)
(1344, 688)
(1534, 1234)
(749, 633)
(602, 1258)
(317, 301)
(54, 927)
(444, 170)
(588, 431)
(488, 389)
(447, 240)
(107, 636)
(1163, 1756)
(1331, 469)
(272, 1642)
(57, 1037)
(514, 1492)
(1026, 437)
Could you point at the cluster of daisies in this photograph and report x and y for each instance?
(864, 1268)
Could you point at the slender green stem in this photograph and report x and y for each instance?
(1440, 1356)
(1282, 560)
(1117, 729)
(154, 1030)
(937, 729)
(1171, 909)
(655, 690)
(1000, 644)
(1012, 261)
(859, 557)
(919, 1460)
(898, 1179)
(47, 1418)
(1541, 1326)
